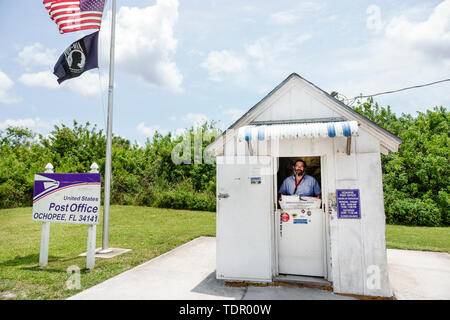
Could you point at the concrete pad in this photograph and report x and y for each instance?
(419, 275)
(107, 255)
(291, 293)
(188, 273)
(312, 281)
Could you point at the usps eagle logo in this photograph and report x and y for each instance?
(45, 185)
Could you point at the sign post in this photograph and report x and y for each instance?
(45, 232)
(90, 252)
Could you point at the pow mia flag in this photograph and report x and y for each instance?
(79, 57)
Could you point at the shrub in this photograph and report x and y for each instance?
(415, 179)
(414, 212)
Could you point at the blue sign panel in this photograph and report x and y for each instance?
(348, 204)
(302, 221)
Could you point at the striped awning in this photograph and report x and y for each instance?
(298, 131)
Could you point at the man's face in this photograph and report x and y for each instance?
(299, 168)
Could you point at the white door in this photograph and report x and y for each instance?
(244, 208)
(300, 242)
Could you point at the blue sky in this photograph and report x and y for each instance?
(180, 62)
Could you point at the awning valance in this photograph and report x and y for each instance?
(298, 131)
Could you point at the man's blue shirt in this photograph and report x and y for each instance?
(307, 187)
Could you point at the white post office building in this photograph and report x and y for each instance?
(337, 234)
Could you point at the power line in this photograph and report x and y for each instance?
(392, 91)
(413, 87)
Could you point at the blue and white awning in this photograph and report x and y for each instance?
(298, 131)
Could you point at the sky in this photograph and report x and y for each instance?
(179, 63)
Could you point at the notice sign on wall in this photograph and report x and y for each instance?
(66, 197)
(348, 204)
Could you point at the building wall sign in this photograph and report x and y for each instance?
(348, 203)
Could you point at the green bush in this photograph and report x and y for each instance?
(140, 175)
(414, 212)
(415, 179)
(183, 196)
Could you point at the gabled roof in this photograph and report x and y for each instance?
(387, 139)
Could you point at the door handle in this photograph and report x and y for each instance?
(223, 195)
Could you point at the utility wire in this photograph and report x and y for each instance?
(413, 87)
(352, 100)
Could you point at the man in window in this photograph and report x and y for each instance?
(300, 183)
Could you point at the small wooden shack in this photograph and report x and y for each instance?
(342, 242)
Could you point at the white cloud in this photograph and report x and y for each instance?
(87, 85)
(44, 79)
(35, 124)
(274, 49)
(258, 63)
(307, 7)
(6, 85)
(195, 52)
(36, 55)
(431, 37)
(220, 63)
(298, 11)
(283, 18)
(148, 132)
(144, 43)
(407, 53)
(143, 47)
(248, 9)
(195, 119)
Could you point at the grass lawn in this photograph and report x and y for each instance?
(418, 238)
(149, 232)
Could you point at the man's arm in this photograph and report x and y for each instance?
(317, 190)
(283, 190)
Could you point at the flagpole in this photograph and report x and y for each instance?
(105, 247)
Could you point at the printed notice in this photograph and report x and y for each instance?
(348, 204)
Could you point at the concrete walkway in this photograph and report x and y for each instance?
(419, 275)
(188, 273)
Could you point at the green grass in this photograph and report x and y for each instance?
(149, 232)
(418, 238)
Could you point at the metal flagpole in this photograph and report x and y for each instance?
(105, 248)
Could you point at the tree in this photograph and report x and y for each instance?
(415, 179)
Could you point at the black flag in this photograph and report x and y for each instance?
(79, 57)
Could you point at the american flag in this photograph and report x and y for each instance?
(72, 15)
